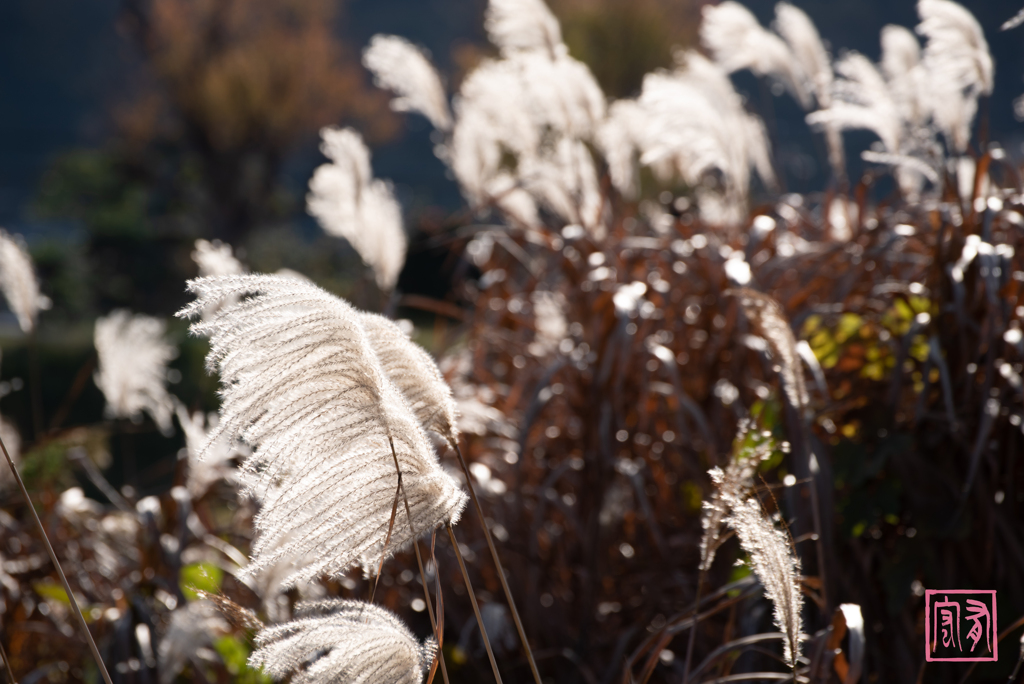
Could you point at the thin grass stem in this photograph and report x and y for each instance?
(472, 600)
(64, 580)
(7, 665)
(419, 563)
(497, 563)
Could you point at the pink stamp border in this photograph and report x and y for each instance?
(994, 657)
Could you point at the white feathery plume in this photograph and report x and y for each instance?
(536, 107)
(403, 68)
(518, 25)
(959, 64)
(766, 316)
(776, 566)
(515, 202)
(12, 440)
(190, 628)
(1013, 22)
(347, 201)
(215, 258)
(803, 38)
(956, 48)
(303, 386)
(617, 139)
(906, 76)
(694, 123)
(342, 641)
(216, 462)
(415, 373)
(18, 282)
(560, 92)
(863, 100)
(737, 41)
(491, 119)
(797, 29)
(732, 484)
(132, 367)
(565, 181)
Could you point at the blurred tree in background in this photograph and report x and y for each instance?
(223, 94)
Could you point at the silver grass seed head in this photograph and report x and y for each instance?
(404, 69)
(737, 41)
(522, 25)
(348, 202)
(415, 373)
(776, 566)
(132, 367)
(733, 484)
(18, 282)
(959, 66)
(344, 642)
(215, 258)
(303, 386)
(190, 628)
(768, 319)
(799, 32)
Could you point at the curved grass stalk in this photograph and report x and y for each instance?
(472, 600)
(64, 580)
(498, 566)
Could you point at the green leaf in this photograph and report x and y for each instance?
(200, 576)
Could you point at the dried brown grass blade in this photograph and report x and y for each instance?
(498, 566)
(434, 623)
(472, 600)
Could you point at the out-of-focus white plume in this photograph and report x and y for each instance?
(691, 122)
(18, 282)
(132, 369)
(403, 68)
(12, 440)
(515, 25)
(863, 100)
(349, 202)
(537, 107)
(190, 629)
(804, 41)
(215, 258)
(303, 386)
(960, 66)
(342, 641)
(216, 462)
(737, 41)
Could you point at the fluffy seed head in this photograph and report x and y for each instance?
(303, 386)
(132, 368)
(18, 282)
(776, 566)
(403, 68)
(347, 201)
(342, 641)
(515, 25)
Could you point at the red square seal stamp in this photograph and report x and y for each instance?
(960, 625)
